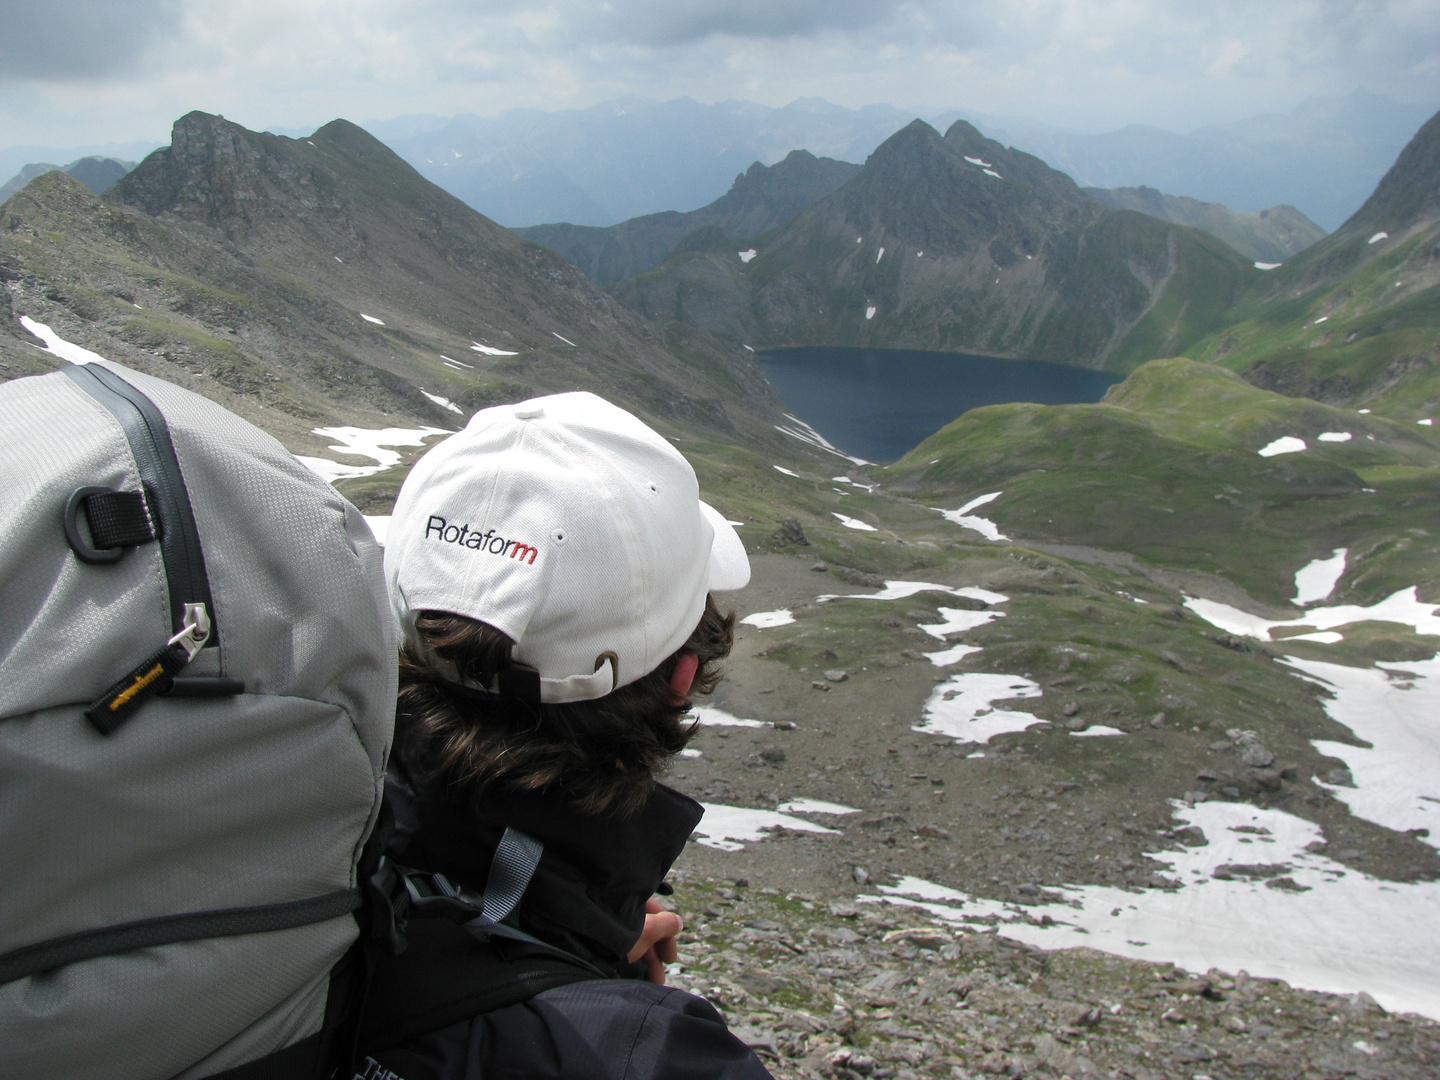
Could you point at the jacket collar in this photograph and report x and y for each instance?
(589, 891)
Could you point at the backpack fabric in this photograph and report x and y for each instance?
(197, 687)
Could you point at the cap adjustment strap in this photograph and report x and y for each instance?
(583, 687)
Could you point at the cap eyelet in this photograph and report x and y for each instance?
(654, 488)
(558, 536)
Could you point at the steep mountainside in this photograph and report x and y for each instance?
(305, 282)
(762, 198)
(1270, 236)
(96, 173)
(959, 243)
(1355, 319)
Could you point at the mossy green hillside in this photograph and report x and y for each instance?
(1166, 468)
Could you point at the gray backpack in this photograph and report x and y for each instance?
(197, 689)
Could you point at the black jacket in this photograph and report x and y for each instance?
(587, 897)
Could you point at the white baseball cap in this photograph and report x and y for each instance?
(569, 525)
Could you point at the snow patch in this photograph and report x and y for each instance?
(1425, 423)
(1328, 928)
(1097, 729)
(966, 520)
(1286, 444)
(978, 161)
(1334, 436)
(457, 363)
(787, 472)
(807, 434)
(58, 346)
(962, 707)
(708, 714)
(566, 340)
(1317, 579)
(488, 350)
(730, 828)
(371, 319)
(746, 256)
(764, 620)
(879, 254)
(363, 442)
(992, 172)
(1402, 607)
(899, 590)
(443, 402)
(957, 620)
(855, 523)
(870, 312)
(814, 806)
(1377, 237)
(952, 655)
(1266, 266)
(1393, 707)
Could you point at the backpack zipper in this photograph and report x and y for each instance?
(154, 451)
(192, 608)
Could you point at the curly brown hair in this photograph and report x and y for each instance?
(600, 756)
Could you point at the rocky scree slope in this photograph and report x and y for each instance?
(959, 243)
(762, 198)
(312, 281)
(1355, 319)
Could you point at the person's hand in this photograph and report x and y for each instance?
(657, 946)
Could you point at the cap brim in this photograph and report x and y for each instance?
(729, 565)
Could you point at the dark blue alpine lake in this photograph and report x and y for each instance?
(881, 403)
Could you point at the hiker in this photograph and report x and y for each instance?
(551, 567)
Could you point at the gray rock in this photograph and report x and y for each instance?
(1363, 1003)
(836, 675)
(860, 875)
(820, 568)
(790, 533)
(1257, 756)
(1158, 720)
(773, 754)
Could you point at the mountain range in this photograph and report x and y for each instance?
(322, 281)
(631, 156)
(958, 243)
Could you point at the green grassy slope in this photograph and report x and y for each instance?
(1166, 468)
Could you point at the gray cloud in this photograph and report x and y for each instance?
(680, 22)
(80, 40)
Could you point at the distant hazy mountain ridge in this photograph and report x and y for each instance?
(96, 173)
(762, 198)
(1270, 236)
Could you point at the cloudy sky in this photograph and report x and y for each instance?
(74, 72)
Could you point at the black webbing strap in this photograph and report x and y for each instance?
(170, 929)
(511, 869)
(119, 519)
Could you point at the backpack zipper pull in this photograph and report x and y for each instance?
(194, 633)
(155, 674)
